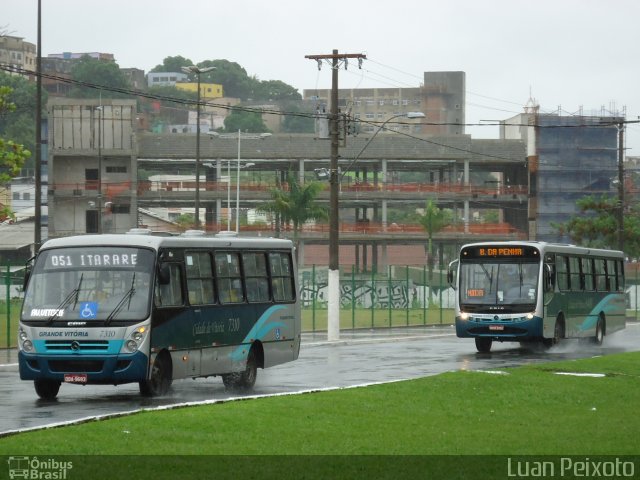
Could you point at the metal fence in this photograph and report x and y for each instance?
(399, 297)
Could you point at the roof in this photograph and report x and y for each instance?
(14, 236)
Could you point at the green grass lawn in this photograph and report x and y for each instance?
(454, 425)
(528, 411)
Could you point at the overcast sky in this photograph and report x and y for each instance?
(567, 54)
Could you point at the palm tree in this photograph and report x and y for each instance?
(296, 204)
(433, 220)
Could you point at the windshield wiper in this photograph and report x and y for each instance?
(127, 297)
(73, 295)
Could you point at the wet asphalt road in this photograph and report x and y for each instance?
(358, 358)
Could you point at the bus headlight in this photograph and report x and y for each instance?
(464, 316)
(135, 339)
(529, 316)
(25, 343)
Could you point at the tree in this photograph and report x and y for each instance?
(433, 220)
(304, 122)
(296, 204)
(12, 154)
(19, 126)
(92, 72)
(597, 225)
(172, 64)
(245, 122)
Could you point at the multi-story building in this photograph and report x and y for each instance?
(16, 53)
(92, 166)
(568, 157)
(441, 98)
(165, 79)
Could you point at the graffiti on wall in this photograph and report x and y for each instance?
(384, 294)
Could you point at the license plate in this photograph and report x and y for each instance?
(75, 377)
(496, 327)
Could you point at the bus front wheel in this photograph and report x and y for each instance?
(47, 389)
(600, 331)
(483, 344)
(160, 380)
(246, 379)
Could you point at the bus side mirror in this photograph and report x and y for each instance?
(164, 274)
(451, 274)
(27, 273)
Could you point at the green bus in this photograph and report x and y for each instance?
(537, 292)
(137, 307)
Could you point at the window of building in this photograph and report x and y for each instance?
(122, 208)
(116, 169)
(16, 196)
(26, 196)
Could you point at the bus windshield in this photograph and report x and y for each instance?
(89, 285)
(498, 283)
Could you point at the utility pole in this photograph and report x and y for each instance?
(333, 305)
(620, 186)
(37, 234)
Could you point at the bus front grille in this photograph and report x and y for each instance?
(75, 345)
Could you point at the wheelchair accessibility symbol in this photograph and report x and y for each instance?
(88, 310)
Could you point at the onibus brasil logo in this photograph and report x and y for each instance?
(41, 469)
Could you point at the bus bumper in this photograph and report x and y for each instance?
(111, 369)
(518, 329)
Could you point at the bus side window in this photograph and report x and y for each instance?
(255, 274)
(575, 276)
(281, 277)
(562, 272)
(199, 278)
(170, 294)
(601, 275)
(587, 273)
(228, 277)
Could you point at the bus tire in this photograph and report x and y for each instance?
(558, 334)
(47, 389)
(161, 377)
(483, 344)
(246, 379)
(598, 338)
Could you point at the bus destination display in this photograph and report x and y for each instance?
(501, 251)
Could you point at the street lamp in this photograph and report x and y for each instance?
(192, 69)
(333, 306)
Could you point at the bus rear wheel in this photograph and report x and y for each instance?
(47, 389)
(246, 379)
(483, 344)
(160, 381)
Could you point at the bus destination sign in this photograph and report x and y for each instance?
(500, 251)
(100, 259)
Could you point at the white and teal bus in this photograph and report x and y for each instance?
(537, 292)
(138, 307)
